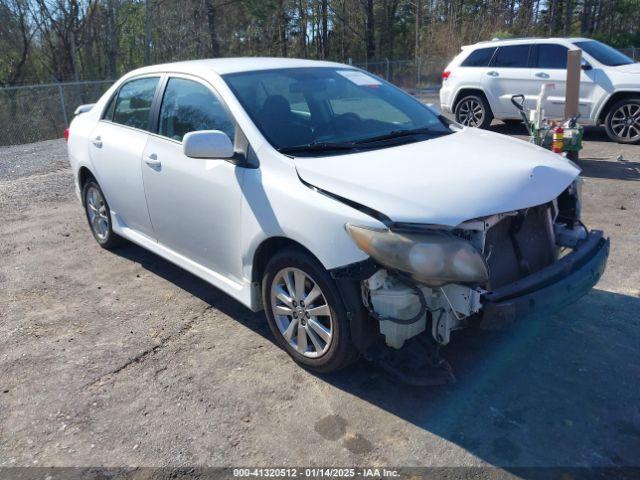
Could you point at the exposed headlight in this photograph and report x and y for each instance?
(432, 258)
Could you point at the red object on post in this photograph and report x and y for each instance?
(66, 134)
(557, 146)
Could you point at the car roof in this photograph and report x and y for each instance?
(524, 40)
(222, 66)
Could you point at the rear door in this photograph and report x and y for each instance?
(116, 148)
(509, 74)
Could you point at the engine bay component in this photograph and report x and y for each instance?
(398, 308)
(569, 237)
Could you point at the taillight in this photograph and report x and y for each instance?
(66, 134)
(446, 74)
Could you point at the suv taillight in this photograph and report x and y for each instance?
(66, 134)
(446, 74)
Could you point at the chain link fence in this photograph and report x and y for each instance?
(42, 112)
(413, 75)
(32, 113)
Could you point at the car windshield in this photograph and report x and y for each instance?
(306, 110)
(604, 53)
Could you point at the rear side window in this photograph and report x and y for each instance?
(479, 58)
(512, 56)
(551, 56)
(134, 102)
(189, 106)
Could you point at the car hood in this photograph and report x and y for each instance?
(446, 180)
(631, 68)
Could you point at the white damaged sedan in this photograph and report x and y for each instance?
(359, 219)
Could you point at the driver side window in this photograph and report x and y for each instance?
(188, 106)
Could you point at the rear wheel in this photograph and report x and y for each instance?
(305, 312)
(99, 215)
(622, 122)
(473, 111)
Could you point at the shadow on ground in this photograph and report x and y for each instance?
(613, 170)
(562, 391)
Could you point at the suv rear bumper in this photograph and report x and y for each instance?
(445, 95)
(549, 289)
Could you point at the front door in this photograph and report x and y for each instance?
(194, 203)
(550, 66)
(117, 144)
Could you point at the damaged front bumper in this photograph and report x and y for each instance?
(549, 289)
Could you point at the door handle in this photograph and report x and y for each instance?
(493, 73)
(97, 142)
(152, 161)
(542, 75)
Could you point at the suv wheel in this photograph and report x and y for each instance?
(473, 111)
(622, 122)
(305, 312)
(99, 215)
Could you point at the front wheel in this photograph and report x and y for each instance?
(305, 312)
(473, 111)
(622, 122)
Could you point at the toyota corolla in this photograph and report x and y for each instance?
(361, 220)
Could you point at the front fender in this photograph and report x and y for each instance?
(277, 204)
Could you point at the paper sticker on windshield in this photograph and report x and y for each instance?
(359, 78)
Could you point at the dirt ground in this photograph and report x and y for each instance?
(113, 359)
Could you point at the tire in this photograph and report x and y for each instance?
(473, 111)
(99, 215)
(622, 122)
(321, 342)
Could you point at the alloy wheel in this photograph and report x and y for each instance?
(470, 113)
(625, 122)
(97, 212)
(301, 312)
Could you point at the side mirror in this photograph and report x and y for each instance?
(83, 108)
(585, 65)
(207, 144)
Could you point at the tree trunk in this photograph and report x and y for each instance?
(302, 12)
(325, 29)
(214, 46)
(370, 32)
(282, 27)
(568, 17)
(147, 32)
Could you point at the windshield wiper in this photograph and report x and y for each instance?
(401, 133)
(365, 142)
(318, 147)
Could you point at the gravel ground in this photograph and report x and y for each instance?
(113, 359)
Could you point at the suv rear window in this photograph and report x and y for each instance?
(479, 58)
(513, 56)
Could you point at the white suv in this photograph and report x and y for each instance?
(478, 84)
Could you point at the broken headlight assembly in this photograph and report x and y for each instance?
(433, 258)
